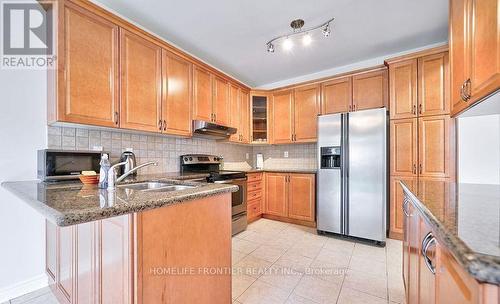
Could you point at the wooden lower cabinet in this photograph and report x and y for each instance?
(126, 259)
(290, 197)
(396, 206)
(431, 273)
(254, 196)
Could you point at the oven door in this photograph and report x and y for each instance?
(239, 198)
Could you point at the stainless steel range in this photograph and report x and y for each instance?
(210, 164)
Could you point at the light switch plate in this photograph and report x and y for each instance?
(285, 154)
(247, 156)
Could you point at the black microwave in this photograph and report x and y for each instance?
(56, 165)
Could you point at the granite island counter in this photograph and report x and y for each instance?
(451, 241)
(133, 246)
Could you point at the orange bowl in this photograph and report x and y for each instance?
(89, 179)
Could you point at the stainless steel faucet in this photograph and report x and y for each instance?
(113, 179)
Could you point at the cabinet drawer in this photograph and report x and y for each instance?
(254, 195)
(254, 177)
(254, 208)
(252, 186)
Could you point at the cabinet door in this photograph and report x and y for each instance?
(221, 101)
(414, 253)
(452, 284)
(403, 89)
(177, 95)
(276, 194)
(369, 90)
(245, 116)
(404, 147)
(433, 85)
(89, 86)
(86, 266)
(65, 270)
(140, 83)
(306, 110)
(50, 250)
(459, 48)
(485, 48)
(336, 96)
(396, 205)
(115, 260)
(202, 105)
(282, 117)
(434, 146)
(406, 247)
(426, 285)
(301, 197)
(235, 104)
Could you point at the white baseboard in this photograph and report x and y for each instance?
(23, 287)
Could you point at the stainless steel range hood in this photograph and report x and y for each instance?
(211, 130)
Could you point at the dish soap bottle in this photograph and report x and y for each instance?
(103, 173)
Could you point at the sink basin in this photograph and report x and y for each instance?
(155, 186)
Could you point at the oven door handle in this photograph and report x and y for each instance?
(230, 181)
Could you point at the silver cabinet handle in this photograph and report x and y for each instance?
(164, 125)
(160, 126)
(405, 203)
(428, 240)
(467, 89)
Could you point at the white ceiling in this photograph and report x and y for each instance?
(231, 34)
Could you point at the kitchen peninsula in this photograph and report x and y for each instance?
(138, 243)
(457, 239)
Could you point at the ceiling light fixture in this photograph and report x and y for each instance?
(297, 26)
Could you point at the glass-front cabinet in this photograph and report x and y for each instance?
(259, 118)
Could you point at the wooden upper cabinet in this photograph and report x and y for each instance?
(336, 95)
(434, 146)
(301, 197)
(484, 48)
(403, 89)
(282, 116)
(202, 104)
(459, 21)
(221, 106)
(245, 116)
(474, 48)
(433, 85)
(88, 80)
(140, 83)
(403, 145)
(177, 94)
(306, 110)
(276, 194)
(235, 118)
(369, 90)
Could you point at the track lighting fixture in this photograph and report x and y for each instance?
(287, 41)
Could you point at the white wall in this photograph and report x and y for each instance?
(22, 131)
(479, 149)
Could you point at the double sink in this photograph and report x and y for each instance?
(155, 186)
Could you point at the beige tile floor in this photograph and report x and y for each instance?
(275, 262)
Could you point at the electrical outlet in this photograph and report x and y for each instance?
(285, 154)
(247, 156)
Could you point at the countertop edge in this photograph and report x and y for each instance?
(305, 171)
(484, 268)
(64, 220)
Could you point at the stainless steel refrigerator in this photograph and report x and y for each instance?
(352, 175)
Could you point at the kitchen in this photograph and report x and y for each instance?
(122, 86)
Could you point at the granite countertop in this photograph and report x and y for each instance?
(70, 203)
(466, 218)
(306, 171)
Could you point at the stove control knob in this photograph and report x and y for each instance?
(216, 159)
(185, 159)
(190, 159)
